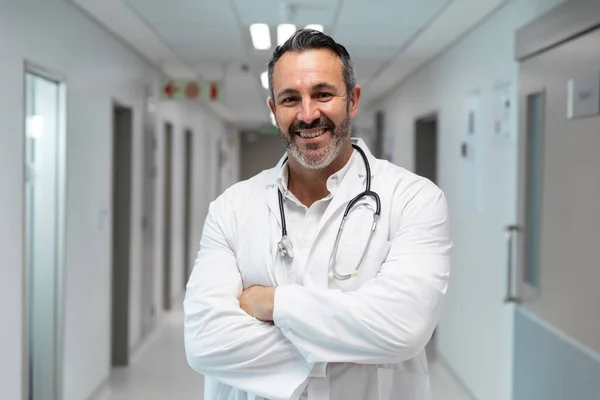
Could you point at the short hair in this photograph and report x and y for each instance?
(310, 39)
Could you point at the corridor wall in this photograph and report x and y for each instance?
(99, 69)
(474, 334)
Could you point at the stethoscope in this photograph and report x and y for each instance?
(286, 248)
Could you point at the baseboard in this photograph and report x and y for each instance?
(141, 345)
(102, 392)
(440, 357)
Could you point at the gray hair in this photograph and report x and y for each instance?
(310, 39)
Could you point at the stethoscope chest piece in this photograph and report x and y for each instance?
(285, 247)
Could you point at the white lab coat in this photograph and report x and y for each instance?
(361, 339)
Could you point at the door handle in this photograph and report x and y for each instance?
(511, 231)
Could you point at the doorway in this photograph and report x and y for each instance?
(121, 226)
(168, 160)
(187, 204)
(426, 147)
(45, 204)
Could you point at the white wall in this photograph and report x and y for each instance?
(98, 69)
(475, 331)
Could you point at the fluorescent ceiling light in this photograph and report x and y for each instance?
(261, 36)
(264, 78)
(284, 31)
(316, 27)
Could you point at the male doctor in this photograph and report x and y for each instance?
(268, 315)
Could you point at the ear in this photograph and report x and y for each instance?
(271, 105)
(354, 100)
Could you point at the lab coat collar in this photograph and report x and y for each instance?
(352, 184)
(274, 174)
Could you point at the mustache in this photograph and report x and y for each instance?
(324, 123)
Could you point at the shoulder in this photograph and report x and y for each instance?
(242, 194)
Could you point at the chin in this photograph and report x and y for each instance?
(320, 160)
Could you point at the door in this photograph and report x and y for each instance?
(148, 225)
(168, 195)
(121, 233)
(187, 205)
(426, 139)
(45, 162)
(379, 146)
(557, 323)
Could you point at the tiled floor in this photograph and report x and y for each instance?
(160, 372)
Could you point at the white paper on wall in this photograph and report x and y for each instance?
(472, 153)
(504, 109)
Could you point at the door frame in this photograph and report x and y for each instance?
(115, 105)
(188, 174)
(34, 68)
(148, 314)
(168, 133)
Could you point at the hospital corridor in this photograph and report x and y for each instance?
(299, 199)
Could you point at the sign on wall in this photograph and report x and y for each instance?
(193, 90)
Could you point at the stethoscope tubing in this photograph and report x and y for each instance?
(366, 193)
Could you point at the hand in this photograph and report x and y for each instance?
(258, 301)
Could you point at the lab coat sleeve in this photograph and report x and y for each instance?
(224, 342)
(390, 318)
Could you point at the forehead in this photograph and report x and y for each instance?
(307, 67)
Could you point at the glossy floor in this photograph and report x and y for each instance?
(159, 371)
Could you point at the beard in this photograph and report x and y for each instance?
(315, 155)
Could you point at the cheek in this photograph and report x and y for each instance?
(285, 119)
(335, 112)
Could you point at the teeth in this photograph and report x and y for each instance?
(312, 134)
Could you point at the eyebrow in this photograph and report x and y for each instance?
(318, 86)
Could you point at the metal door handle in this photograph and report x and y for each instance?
(510, 235)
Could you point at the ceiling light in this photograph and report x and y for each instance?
(261, 36)
(284, 31)
(316, 27)
(264, 78)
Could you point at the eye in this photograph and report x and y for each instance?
(324, 96)
(289, 100)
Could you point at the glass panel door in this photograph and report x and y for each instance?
(44, 206)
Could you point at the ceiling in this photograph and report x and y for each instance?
(210, 39)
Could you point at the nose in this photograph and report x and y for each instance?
(309, 112)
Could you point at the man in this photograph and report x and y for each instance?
(271, 310)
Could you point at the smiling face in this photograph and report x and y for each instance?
(311, 106)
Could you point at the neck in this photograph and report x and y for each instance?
(310, 185)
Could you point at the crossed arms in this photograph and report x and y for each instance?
(388, 320)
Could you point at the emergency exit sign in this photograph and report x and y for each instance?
(192, 90)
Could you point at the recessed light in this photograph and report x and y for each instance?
(316, 27)
(261, 36)
(284, 31)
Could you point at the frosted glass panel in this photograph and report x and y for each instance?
(42, 130)
(535, 136)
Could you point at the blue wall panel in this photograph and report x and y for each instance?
(547, 367)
